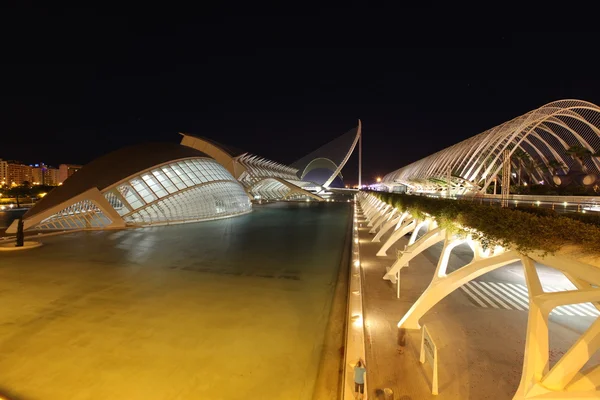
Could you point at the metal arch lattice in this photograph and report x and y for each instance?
(543, 134)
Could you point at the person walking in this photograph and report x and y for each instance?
(359, 379)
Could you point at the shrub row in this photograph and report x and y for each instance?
(525, 230)
(590, 219)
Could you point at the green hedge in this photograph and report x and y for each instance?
(590, 219)
(524, 230)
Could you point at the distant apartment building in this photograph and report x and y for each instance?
(66, 170)
(18, 173)
(43, 174)
(3, 172)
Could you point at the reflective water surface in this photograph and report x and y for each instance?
(7, 217)
(228, 309)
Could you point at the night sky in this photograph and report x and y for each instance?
(277, 82)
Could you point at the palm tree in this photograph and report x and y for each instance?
(17, 192)
(523, 159)
(581, 153)
(555, 165)
(550, 168)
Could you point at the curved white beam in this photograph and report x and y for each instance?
(345, 160)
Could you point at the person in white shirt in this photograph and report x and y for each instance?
(359, 379)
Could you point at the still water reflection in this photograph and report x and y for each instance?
(7, 217)
(228, 309)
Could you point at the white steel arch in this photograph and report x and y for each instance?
(543, 134)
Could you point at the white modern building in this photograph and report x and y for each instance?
(166, 183)
(534, 146)
(270, 180)
(150, 184)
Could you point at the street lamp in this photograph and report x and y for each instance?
(378, 179)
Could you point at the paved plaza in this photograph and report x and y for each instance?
(228, 309)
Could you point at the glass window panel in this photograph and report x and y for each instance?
(131, 197)
(143, 190)
(170, 187)
(191, 165)
(165, 181)
(159, 190)
(195, 178)
(184, 166)
(174, 177)
(182, 175)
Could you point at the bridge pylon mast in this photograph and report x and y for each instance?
(360, 161)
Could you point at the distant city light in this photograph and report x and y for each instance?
(378, 179)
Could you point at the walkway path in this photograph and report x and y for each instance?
(480, 348)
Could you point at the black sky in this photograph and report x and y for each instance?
(279, 82)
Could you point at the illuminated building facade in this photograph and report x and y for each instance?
(18, 173)
(3, 172)
(151, 184)
(42, 174)
(66, 170)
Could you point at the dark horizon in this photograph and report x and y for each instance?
(278, 83)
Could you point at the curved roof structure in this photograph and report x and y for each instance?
(111, 168)
(539, 138)
(338, 151)
(149, 184)
(236, 161)
(251, 170)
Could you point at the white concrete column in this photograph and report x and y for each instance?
(384, 217)
(387, 226)
(415, 232)
(381, 213)
(426, 241)
(409, 226)
(441, 287)
(535, 363)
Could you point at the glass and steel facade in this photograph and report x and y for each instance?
(179, 191)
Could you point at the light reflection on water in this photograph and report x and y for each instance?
(214, 299)
(7, 217)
